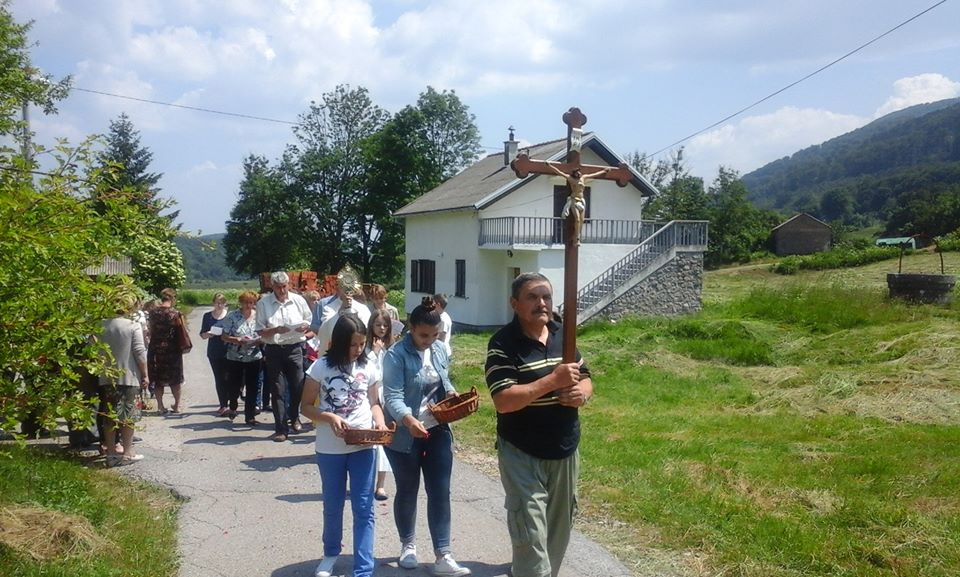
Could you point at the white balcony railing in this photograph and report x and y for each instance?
(508, 232)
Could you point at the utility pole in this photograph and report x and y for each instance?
(26, 147)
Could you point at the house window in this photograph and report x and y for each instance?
(461, 281)
(423, 276)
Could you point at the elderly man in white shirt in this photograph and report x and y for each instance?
(282, 319)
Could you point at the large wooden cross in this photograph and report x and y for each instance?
(524, 166)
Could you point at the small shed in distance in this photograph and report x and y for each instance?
(802, 234)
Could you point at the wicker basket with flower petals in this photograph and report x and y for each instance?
(369, 436)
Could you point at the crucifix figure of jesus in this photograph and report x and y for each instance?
(576, 175)
(577, 183)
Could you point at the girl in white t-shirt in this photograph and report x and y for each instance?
(341, 392)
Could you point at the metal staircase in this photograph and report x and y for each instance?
(652, 254)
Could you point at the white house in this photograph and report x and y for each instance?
(473, 234)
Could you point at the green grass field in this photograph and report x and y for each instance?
(801, 425)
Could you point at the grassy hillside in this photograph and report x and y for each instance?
(205, 262)
(901, 170)
(799, 425)
(919, 136)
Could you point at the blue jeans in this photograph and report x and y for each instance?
(361, 467)
(434, 457)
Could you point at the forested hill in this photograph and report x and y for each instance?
(909, 157)
(204, 259)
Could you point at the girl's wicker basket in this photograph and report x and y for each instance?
(456, 407)
(370, 436)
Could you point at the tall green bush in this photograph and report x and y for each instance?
(49, 234)
(949, 242)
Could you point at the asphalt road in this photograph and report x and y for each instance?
(253, 506)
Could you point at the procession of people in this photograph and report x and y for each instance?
(344, 366)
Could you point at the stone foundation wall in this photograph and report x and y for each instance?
(676, 289)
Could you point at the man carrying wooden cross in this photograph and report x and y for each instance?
(538, 398)
(538, 383)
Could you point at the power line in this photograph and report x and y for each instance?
(196, 108)
(792, 84)
(210, 110)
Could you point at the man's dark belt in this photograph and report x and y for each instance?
(285, 346)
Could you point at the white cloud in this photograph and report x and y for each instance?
(919, 89)
(179, 51)
(205, 166)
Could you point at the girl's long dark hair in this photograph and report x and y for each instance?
(374, 317)
(338, 355)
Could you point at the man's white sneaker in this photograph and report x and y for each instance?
(408, 556)
(325, 568)
(447, 567)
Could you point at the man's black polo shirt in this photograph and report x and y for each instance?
(544, 429)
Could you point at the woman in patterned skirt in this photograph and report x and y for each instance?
(165, 356)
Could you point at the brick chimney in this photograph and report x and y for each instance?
(509, 149)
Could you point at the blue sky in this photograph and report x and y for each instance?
(646, 72)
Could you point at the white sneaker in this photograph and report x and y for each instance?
(408, 556)
(325, 568)
(447, 567)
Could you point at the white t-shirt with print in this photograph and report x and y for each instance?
(345, 395)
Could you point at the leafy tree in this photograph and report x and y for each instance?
(418, 149)
(125, 164)
(929, 210)
(20, 82)
(737, 227)
(130, 164)
(681, 195)
(836, 204)
(329, 201)
(399, 172)
(450, 136)
(655, 173)
(329, 168)
(266, 230)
